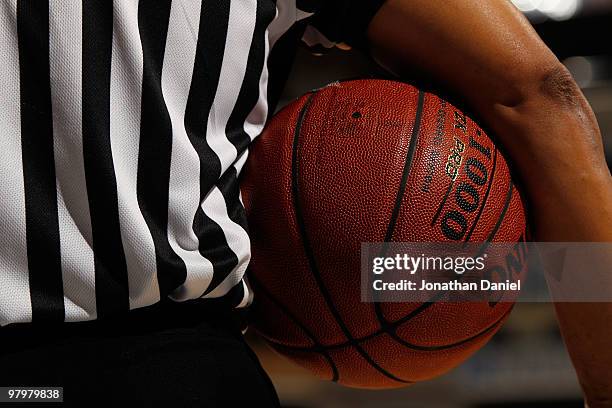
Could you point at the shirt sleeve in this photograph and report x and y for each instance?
(340, 21)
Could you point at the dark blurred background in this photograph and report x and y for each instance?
(525, 364)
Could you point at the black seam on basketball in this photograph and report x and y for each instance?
(441, 206)
(426, 305)
(310, 255)
(407, 166)
(404, 343)
(439, 295)
(399, 198)
(484, 200)
(499, 220)
(317, 348)
(413, 346)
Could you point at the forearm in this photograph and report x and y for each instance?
(555, 148)
(587, 330)
(569, 189)
(554, 144)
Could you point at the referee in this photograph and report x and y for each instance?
(125, 125)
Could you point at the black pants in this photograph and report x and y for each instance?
(188, 354)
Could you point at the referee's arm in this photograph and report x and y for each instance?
(489, 53)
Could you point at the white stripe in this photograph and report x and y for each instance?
(242, 18)
(184, 185)
(237, 238)
(282, 22)
(125, 99)
(241, 161)
(255, 121)
(15, 303)
(77, 260)
(286, 15)
(247, 297)
(240, 30)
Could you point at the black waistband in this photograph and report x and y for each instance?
(164, 315)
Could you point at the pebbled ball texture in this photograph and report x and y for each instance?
(325, 176)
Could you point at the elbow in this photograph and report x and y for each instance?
(540, 81)
(545, 91)
(549, 113)
(560, 88)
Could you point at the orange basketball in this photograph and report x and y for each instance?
(352, 163)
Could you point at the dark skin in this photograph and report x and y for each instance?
(488, 52)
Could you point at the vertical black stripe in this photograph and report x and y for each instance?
(246, 101)
(249, 92)
(42, 226)
(214, 20)
(156, 143)
(215, 246)
(112, 292)
(230, 188)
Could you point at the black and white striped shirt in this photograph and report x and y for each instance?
(124, 127)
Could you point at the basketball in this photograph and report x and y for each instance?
(370, 161)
